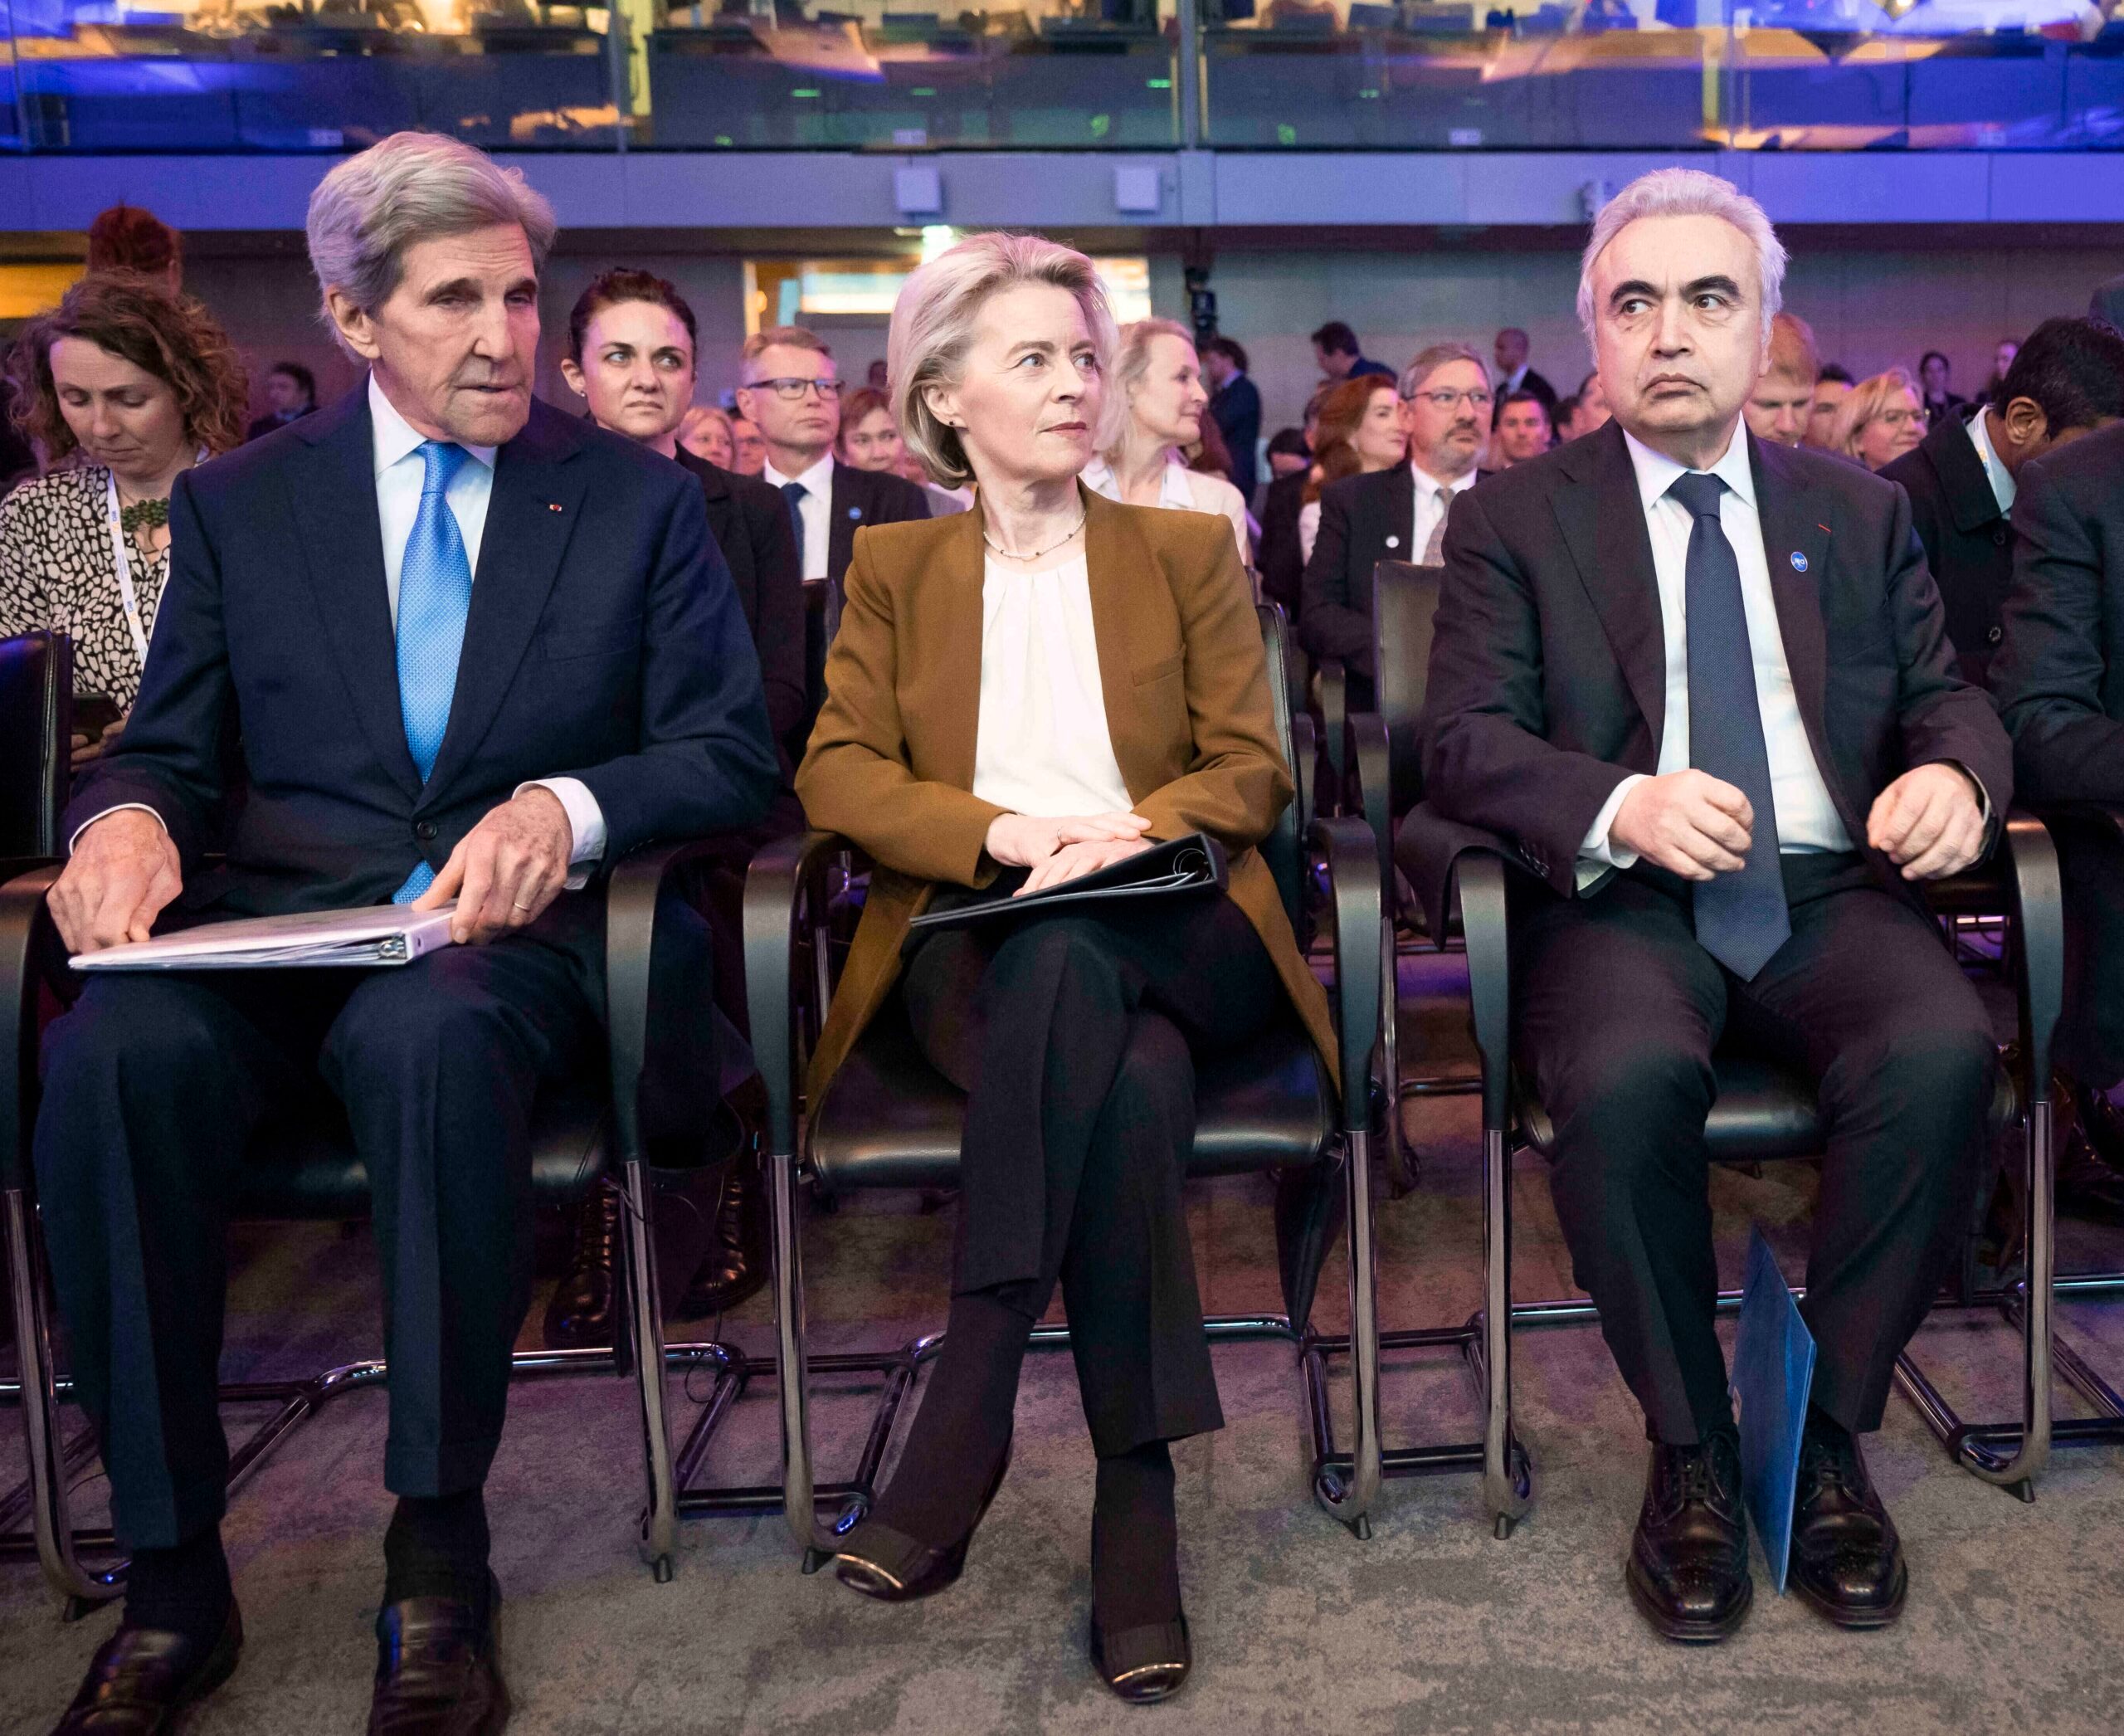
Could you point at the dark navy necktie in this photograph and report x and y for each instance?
(794, 493)
(1740, 919)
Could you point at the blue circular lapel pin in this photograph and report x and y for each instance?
(1799, 562)
(855, 512)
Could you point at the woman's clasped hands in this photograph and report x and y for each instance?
(1059, 850)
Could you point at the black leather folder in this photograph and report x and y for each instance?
(1180, 867)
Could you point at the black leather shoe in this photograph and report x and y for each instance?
(1143, 1663)
(734, 1268)
(2103, 1120)
(893, 1568)
(580, 1314)
(1688, 1562)
(1847, 1560)
(141, 1678)
(437, 1671)
(2087, 1188)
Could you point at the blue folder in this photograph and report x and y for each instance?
(1773, 1368)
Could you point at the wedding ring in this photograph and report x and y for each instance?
(521, 905)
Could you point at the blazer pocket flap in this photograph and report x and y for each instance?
(1158, 671)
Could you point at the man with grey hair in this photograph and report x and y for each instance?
(478, 650)
(1396, 514)
(1698, 688)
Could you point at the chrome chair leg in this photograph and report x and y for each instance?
(1350, 1501)
(1400, 1170)
(659, 1520)
(793, 1374)
(51, 1513)
(1507, 1478)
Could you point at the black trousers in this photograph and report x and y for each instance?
(1075, 1037)
(2090, 1043)
(154, 1086)
(1619, 1011)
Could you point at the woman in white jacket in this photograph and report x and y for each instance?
(1156, 401)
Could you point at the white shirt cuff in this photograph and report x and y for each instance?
(586, 821)
(136, 806)
(1599, 852)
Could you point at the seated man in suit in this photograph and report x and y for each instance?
(792, 391)
(1699, 685)
(477, 648)
(1398, 514)
(2059, 679)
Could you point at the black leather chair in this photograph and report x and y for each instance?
(888, 1120)
(1765, 1111)
(585, 1137)
(36, 703)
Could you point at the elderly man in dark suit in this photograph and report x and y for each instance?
(477, 648)
(1699, 685)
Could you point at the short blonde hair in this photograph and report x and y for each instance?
(932, 326)
(1792, 352)
(794, 337)
(1132, 361)
(1864, 402)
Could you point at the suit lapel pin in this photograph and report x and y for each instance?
(855, 512)
(1393, 542)
(1799, 562)
(552, 506)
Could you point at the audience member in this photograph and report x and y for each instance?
(1361, 430)
(1832, 386)
(869, 438)
(1288, 453)
(705, 432)
(1335, 349)
(632, 340)
(300, 561)
(1783, 401)
(1155, 404)
(291, 391)
(1880, 420)
(963, 748)
(1400, 514)
(793, 393)
(1522, 431)
(2059, 681)
(1711, 864)
(18, 457)
(1590, 410)
(123, 389)
(2002, 358)
(1282, 505)
(125, 238)
(751, 446)
(2106, 304)
(874, 376)
(1515, 373)
(1938, 402)
(1235, 408)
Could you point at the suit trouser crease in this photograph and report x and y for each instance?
(1075, 1038)
(1620, 1012)
(154, 1088)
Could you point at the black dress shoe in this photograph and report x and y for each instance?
(2103, 1120)
(2087, 1188)
(1143, 1663)
(893, 1568)
(141, 1678)
(437, 1673)
(1847, 1560)
(1688, 1562)
(580, 1315)
(734, 1267)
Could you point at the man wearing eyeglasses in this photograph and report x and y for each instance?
(792, 391)
(1396, 514)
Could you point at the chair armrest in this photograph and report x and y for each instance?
(1334, 728)
(775, 888)
(1373, 775)
(2038, 912)
(1353, 885)
(1305, 767)
(24, 919)
(1478, 874)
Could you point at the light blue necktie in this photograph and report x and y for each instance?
(435, 592)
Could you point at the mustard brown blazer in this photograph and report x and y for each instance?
(890, 764)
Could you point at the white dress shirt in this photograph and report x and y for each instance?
(2003, 486)
(814, 509)
(1434, 500)
(1807, 820)
(1042, 748)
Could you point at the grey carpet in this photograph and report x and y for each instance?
(1432, 1626)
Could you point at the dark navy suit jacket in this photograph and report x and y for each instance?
(605, 643)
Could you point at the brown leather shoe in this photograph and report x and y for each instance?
(580, 1314)
(437, 1669)
(1847, 1560)
(735, 1264)
(141, 1678)
(1688, 1562)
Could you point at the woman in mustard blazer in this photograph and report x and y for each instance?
(1034, 690)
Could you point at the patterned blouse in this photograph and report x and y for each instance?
(55, 572)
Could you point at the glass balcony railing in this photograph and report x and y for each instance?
(1125, 74)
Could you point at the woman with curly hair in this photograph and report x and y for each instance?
(122, 388)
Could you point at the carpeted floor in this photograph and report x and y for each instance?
(1432, 1626)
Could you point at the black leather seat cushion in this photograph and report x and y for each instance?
(890, 1121)
(1765, 1110)
(308, 1168)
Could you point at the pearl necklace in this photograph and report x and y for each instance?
(1007, 555)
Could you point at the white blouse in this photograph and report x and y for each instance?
(1043, 748)
(1184, 491)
